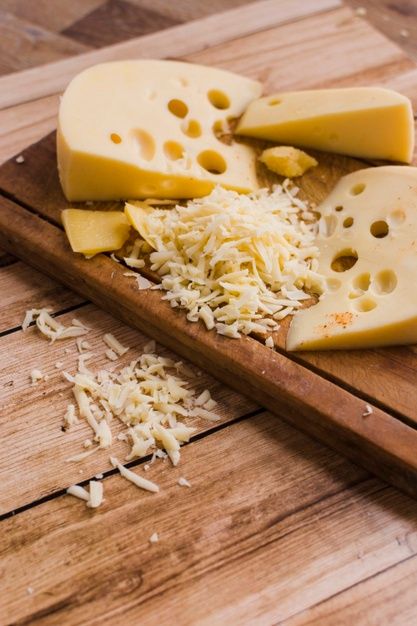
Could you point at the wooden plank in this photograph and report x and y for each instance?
(380, 442)
(32, 416)
(386, 376)
(24, 288)
(327, 41)
(47, 14)
(177, 41)
(116, 21)
(185, 11)
(23, 44)
(397, 20)
(385, 599)
(301, 531)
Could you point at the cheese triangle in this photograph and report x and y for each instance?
(368, 255)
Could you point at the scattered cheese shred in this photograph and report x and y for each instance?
(368, 410)
(70, 417)
(50, 327)
(115, 345)
(183, 482)
(239, 263)
(36, 375)
(96, 494)
(269, 342)
(154, 538)
(139, 481)
(78, 492)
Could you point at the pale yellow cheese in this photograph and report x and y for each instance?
(368, 224)
(90, 232)
(137, 129)
(287, 161)
(368, 122)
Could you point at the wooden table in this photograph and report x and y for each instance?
(275, 528)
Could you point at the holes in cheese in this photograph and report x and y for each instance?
(115, 138)
(375, 304)
(90, 232)
(173, 150)
(147, 104)
(344, 260)
(368, 122)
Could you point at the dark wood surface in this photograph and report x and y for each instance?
(276, 528)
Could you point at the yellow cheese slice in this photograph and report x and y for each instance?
(90, 232)
(368, 255)
(137, 129)
(137, 216)
(368, 122)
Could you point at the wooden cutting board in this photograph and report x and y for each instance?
(323, 394)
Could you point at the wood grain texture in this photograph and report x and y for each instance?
(22, 44)
(227, 552)
(380, 442)
(177, 41)
(115, 21)
(53, 15)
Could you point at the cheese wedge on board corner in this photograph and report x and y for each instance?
(367, 122)
(145, 128)
(368, 256)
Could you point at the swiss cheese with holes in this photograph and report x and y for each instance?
(137, 129)
(368, 254)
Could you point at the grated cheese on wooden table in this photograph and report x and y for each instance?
(239, 263)
(50, 327)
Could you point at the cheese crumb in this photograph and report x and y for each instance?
(78, 492)
(30, 590)
(287, 161)
(269, 342)
(183, 482)
(115, 345)
(361, 11)
(404, 33)
(111, 355)
(35, 376)
(154, 538)
(70, 417)
(368, 410)
(20, 159)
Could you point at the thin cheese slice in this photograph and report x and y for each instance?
(137, 129)
(90, 232)
(368, 122)
(368, 254)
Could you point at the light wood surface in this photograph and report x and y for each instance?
(276, 528)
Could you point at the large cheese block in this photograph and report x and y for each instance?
(137, 129)
(368, 255)
(367, 122)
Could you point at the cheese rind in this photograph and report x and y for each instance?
(371, 216)
(137, 129)
(90, 232)
(367, 122)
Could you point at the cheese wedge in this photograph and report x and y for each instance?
(137, 129)
(90, 232)
(367, 122)
(368, 255)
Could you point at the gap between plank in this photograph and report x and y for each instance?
(131, 464)
(291, 356)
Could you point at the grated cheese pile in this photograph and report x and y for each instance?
(239, 263)
(148, 396)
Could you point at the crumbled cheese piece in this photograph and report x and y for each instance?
(208, 415)
(20, 159)
(114, 258)
(59, 365)
(361, 11)
(104, 435)
(50, 327)
(111, 355)
(154, 538)
(82, 345)
(70, 417)
(183, 482)
(87, 443)
(146, 467)
(115, 345)
(150, 347)
(202, 398)
(139, 481)
(78, 492)
(368, 410)
(269, 342)
(227, 258)
(85, 356)
(135, 263)
(96, 494)
(404, 33)
(35, 376)
(30, 590)
(143, 283)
